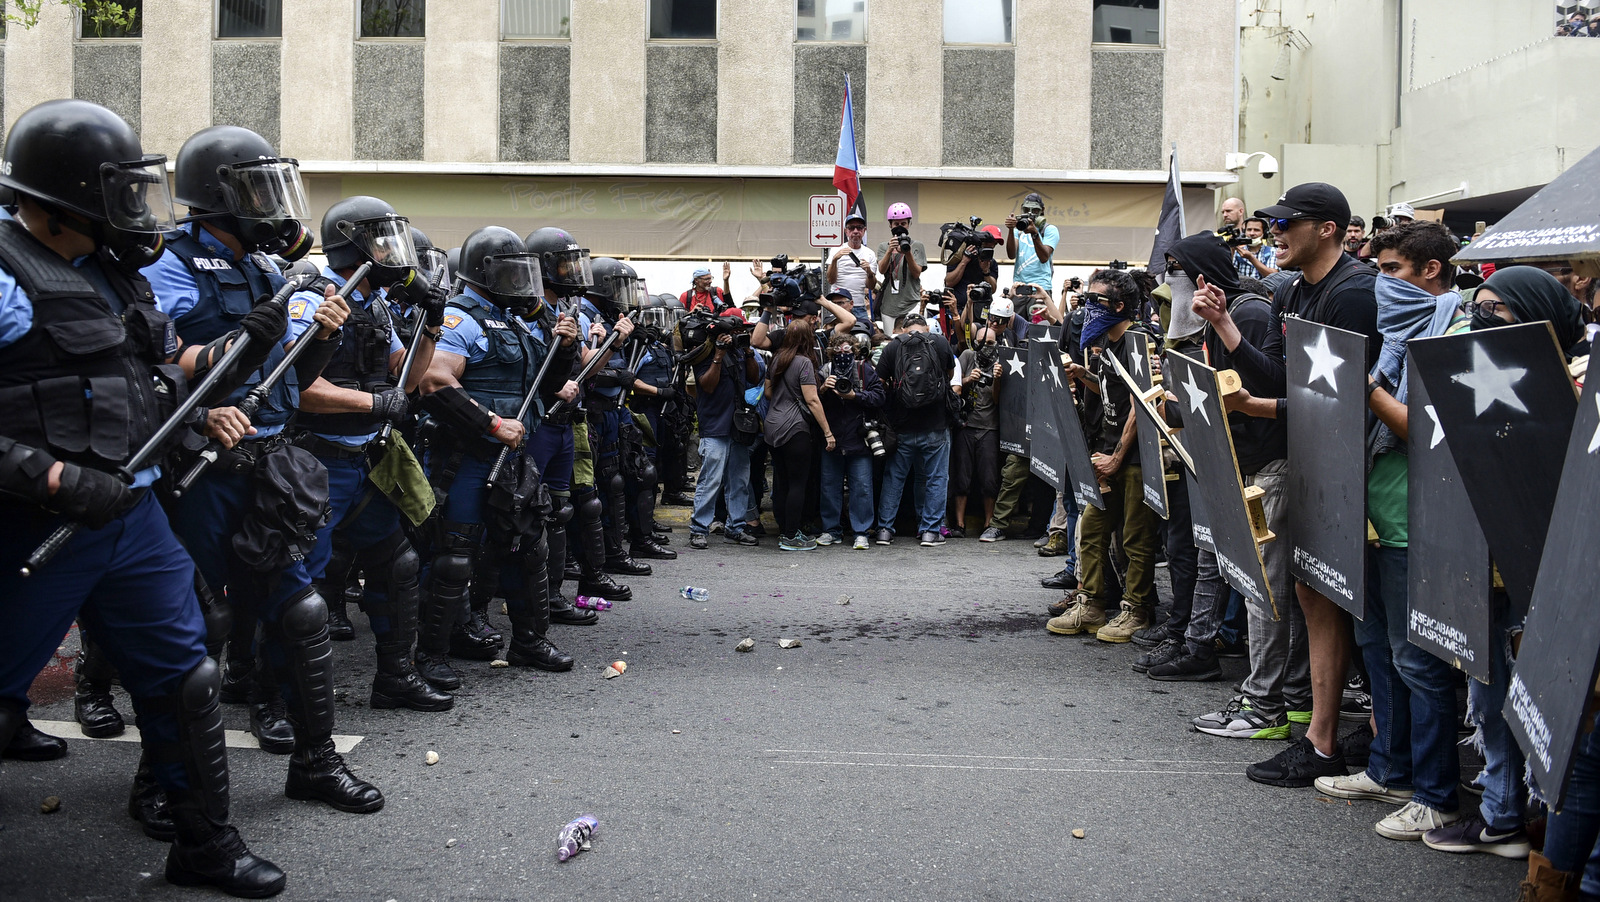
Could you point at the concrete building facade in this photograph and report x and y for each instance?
(651, 144)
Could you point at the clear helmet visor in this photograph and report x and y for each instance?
(385, 241)
(137, 196)
(265, 189)
(434, 264)
(513, 276)
(659, 318)
(569, 269)
(627, 292)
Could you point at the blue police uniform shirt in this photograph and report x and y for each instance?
(1028, 267)
(302, 308)
(177, 292)
(588, 313)
(462, 335)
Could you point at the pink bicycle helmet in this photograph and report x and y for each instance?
(898, 211)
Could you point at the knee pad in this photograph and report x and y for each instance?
(561, 511)
(614, 486)
(587, 506)
(305, 615)
(648, 474)
(405, 566)
(453, 566)
(200, 691)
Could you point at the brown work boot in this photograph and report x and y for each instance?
(1060, 543)
(1546, 884)
(1082, 617)
(1124, 625)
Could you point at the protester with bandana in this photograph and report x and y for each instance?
(1111, 299)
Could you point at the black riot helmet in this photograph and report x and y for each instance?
(655, 317)
(364, 229)
(232, 177)
(495, 262)
(79, 157)
(567, 270)
(431, 261)
(617, 284)
(453, 260)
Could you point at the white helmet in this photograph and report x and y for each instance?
(1000, 308)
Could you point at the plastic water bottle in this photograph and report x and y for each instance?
(694, 594)
(575, 836)
(591, 603)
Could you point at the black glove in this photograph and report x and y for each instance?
(266, 323)
(391, 405)
(666, 394)
(613, 377)
(91, 496)
(420, 292)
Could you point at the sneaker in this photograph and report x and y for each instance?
(1240, 721)
(755, 529)
(739, 537)
(955, 532)
(883, 537)
(1356, 707)
(827, 538)
(1471, 834)
(1360, 786)
(1356, 746)
(1161, 654)
(861, 543)
(992, 535)
(1124, 625)
(697, 541)
(931, 538)
(1186, 668)
(1082, 617)
(1297, 766)
(1042, 541)
(1064, 579)
(1413, 821)
(797, 542)
(1151, 636)
(717, 527)
(1238, 648)
(1300, 716)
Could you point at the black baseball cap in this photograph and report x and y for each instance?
(805, 308)
(1313, 200)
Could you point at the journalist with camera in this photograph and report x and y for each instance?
(853, 266)
(784, 306)
(1031, 243)
(724, 366)
(968, 257)
(975, 451)
(852, 396)
(1253, 254)
(901, 260)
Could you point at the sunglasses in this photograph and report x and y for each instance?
(1282, 225)
(1174, 267)
(1094, 297)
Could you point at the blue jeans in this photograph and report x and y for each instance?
(929, 453)
(1505, 796)
(1569, 838)
(1413, 693)
(724, 469)
(835, 468)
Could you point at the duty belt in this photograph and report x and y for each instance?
(321, 447)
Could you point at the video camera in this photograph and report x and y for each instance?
(985, 356)
(1231, 237)
(955, 238)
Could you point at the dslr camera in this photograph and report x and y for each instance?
(1024, 222)
(902, 237)
(842, 367)
(985, 356)
(980, 293)
(872, 435)
(1074, 284)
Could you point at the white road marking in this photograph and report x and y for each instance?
(1166, 772)
(996, 757)
(236, 739)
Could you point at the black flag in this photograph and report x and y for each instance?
(1170, 227)
(1152, 467)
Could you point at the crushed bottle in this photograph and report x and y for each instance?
(694, 594)
(591, 603)
(575, 837)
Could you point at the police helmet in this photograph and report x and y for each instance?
(364, 229)
(232, 175)
(567, 270)
(617, 284)
(494, 261)
(453, 260)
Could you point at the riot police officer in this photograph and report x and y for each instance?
(653, 390)
(82, 387)
(341, 414)
(482, 371)
(244, 199)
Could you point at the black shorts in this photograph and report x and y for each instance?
(975, 463)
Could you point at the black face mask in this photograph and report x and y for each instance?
(1482, 320)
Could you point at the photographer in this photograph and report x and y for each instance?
(1254, 257)
(918, 367)
(703, 296)
(900, 263)
(853, 266)
(720, 381)
(783, 299)
(1032, 252)
(852, 395)
(944, 317)
(792, 393)
(975, 457)
(975, 266)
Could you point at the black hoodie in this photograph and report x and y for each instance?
(1257, 441)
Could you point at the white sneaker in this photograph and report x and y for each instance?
(827, 538)
(1360, 786)
(1413, 820)
(716, 527)
(861, 543)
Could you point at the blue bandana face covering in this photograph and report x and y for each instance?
(1098, 319)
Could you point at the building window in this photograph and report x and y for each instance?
(683, 19)
(393, 18)
(546, 19)
(107, 19)
(978, 21)
(249, 18)
(830, 20)
(1127, 22)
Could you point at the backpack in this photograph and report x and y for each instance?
(920, 380)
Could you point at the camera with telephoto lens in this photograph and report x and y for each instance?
(872, 436)
(902, 237)
(1230, 236)
(1024, 222)
(980, 292)
(984, 357)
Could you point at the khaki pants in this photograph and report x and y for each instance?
(1127, 513)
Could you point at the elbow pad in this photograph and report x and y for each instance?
(24, 472)
(311, 363)
(254, 355)
(454, 407)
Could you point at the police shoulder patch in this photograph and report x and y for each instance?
(451, 321)
(297, 309)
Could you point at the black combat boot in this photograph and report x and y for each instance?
(147, 804)
(29, 743)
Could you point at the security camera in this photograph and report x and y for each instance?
(1268, 166)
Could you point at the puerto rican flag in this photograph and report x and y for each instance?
(847, 165)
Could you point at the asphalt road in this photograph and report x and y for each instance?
(927, 741)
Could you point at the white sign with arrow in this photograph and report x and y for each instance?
(827, 220)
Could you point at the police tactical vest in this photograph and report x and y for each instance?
(657, 369)
(501, 379)
(610, 393)
(361, 364)
(84, 383)
(226, 292)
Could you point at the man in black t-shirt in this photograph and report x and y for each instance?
(1308, 228)
(924, 431)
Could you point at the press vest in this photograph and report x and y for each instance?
(361, 364)
(226, 290)
(83, 382)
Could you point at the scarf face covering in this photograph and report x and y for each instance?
(1185, 322)
(1406, 312)
(1098, 319)
(1534, 295)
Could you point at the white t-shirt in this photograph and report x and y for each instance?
(854, 277)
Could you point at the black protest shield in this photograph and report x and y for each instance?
(1013, 403)
(1556, 665)
(1045, 377)
(1327, 448)
(1449, 582)
(1082, 482)
(1504, 399)
(1217, 482)
(1152, 467)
